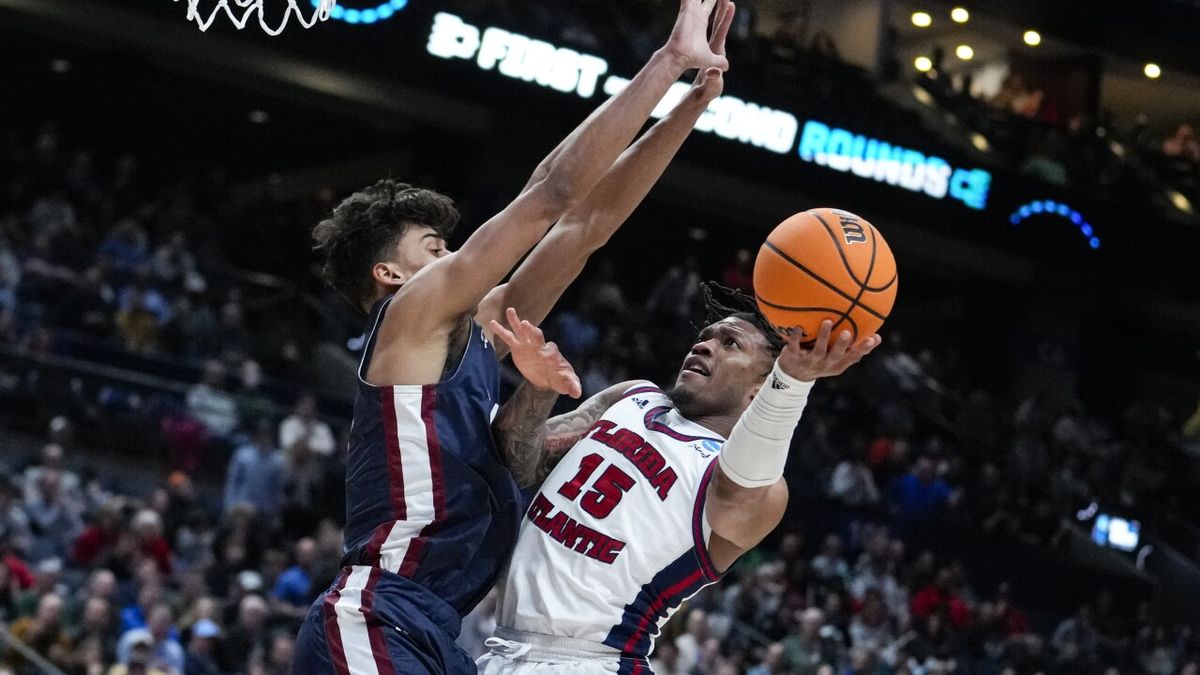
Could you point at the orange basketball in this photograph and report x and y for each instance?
(826, 264)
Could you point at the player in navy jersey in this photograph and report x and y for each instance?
(657, 494)
(431, 507)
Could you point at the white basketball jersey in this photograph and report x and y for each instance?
(616, 537)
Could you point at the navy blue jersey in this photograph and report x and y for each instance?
(427, 496)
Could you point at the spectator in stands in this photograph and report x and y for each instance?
(739, 273)
(96, 544)
(53, 521)
(53, 458)
(193, 331)
(126, 248)
(43, 632)
(291, 594)
(209, 402)
(252, 402)
(10, 589)
(772, 662)
(871, 629)
(137, 615)
(874, 570)
(941, 597)
(276, 658)
(149, 541)
(304, 481)
(96, 626)
(829, 564)
(303, 427)
(234, 337)
(172, 260)
(805, 649)
(690, 644)
(17, 536)
(920, 495)
(138, 326)
(665, 659)
(1076, 639)
(166, 652)
(1182, 144)
(246, 636)
(202, 649)
(852, 483)
(255, 474)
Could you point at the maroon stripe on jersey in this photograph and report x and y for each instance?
(333, 636)
(653, 424)
(391, 437)
(656, 606)
(383, 661)
(648, 389)
(705, 560)
(416, 550)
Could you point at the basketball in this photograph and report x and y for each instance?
(826, 264)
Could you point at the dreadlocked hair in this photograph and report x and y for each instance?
(367, 224)
(722, 302)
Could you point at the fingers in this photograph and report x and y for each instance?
(821, 346)
(524, 329)
(721, 30)
(504, 334)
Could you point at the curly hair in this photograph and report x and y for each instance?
(739, 305)
(368, 224)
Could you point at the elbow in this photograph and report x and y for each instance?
(558, 194)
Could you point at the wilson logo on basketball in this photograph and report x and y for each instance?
(852, 229)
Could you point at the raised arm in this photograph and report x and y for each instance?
(461, 280)
(559, 258)
(748, 496)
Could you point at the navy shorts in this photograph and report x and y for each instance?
(372, 622)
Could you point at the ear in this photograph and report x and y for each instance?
(388, 274)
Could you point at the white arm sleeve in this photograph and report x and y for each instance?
(757, 448)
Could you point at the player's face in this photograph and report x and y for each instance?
(418, 247)
(723, 369)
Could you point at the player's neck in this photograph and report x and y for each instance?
(721, 425)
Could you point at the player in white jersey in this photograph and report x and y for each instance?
(658, 494)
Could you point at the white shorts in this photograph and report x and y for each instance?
(515, 653)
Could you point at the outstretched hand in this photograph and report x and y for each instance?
(823, 359)
(689, 41)
(710, 82)
(539, 361)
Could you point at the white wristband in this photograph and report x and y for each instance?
(757, 448)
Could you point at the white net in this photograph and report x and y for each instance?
(241, 12)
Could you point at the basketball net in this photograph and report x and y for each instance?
(252, 7)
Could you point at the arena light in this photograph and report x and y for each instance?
(964, 52)
(980, 142)
(60, 66)
(1180, 202)
(1152, 71)
(368, 15)
(960, 15)
(923, 64)
(1049, 207)
(922, 19)
(1033, 38)
(259, 117)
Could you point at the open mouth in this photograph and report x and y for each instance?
(696, 365)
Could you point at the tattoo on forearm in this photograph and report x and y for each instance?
(531, 444)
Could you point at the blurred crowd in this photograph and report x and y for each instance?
(181, 507)
(1026, 127)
